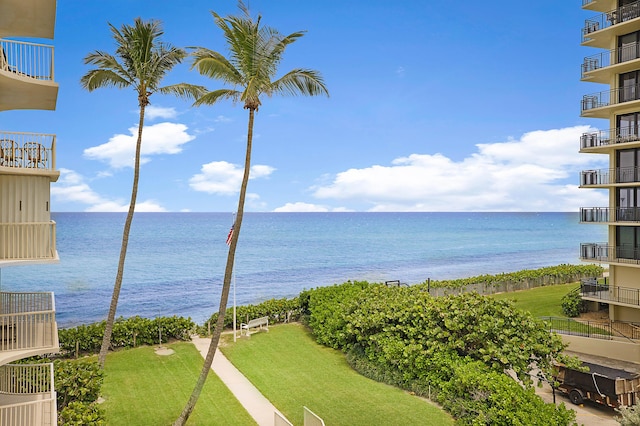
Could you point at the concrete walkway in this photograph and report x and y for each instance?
(253, 401)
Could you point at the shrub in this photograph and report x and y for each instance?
(629, 416)
(81, 414)
(572, 304)
(77, 381)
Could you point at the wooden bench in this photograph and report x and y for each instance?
(254, 323)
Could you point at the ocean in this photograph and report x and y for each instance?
(175, 261)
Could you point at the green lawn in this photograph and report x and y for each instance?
(540, 301)
(142, 388)
(293, 371)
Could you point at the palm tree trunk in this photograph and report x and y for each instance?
(226, 285)
(106, 338)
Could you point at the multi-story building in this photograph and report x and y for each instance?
(615, 32)
(27, 233)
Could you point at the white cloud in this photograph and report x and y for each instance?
(161, 138)
(307, 207)
(152, 112)
(221, 177)
(301, 207)
(222, 119)
(529, 174)
(71, 188)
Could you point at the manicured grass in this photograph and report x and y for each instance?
(143, 388)
(540, 301)
(293, 371)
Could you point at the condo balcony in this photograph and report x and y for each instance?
(28, 153)
(611, 254)
(614, 295)
(609, 215)
(599, 5)
(600, 30)
(29, 242)
(27, 326)
(26, 76)
(609, 177)
(601, 104)
(600, 67)
(27, 18)
(27, 395)
(602, 141)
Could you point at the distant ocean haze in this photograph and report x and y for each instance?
(175, 261)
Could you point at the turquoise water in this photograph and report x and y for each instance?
(175, 262)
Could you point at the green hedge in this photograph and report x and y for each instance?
(455, 347)
(127, 333)
(560, 274)
(278, 310)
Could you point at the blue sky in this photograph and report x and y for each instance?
(434, 106)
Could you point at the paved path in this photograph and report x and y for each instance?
(587, 414)
(253, 401)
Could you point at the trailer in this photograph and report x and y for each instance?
(604, 385)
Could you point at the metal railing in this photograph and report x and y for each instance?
(608, 137)
(606, 214)
(586, 2)
(606, 253)
(610, 97)
(607, 293)
(607, 58)
(28, 395)
(610, 18)
(607, 330)
(28, 150)
(27, 321)
(28, 241)
(32, 60)
(609, 176)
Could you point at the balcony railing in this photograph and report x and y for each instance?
(586, 2)
(612, 17)
(605, 253)
(28, 241)
(609, 176)
(28, 395)
(28, 150)
(610, 57)
(608, 137)
(27, 322)
(24, 59)
(612, 294)
(594, 329)
(610, 97)
(606, 214)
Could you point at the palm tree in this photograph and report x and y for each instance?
(255, 52)
(141, 60)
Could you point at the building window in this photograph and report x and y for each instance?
(627, 126)
(628, 47)
(628, 88)
(627, 204)
(627, 161)
(628, 242)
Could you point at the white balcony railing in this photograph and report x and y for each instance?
(25, 59)
(28, 322)
(27, 395)
(28, 150)
(28, 241)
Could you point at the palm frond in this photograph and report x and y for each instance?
(214, 96)
(98, 78)
(184, 90)
(300, 82)
(212, 64)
